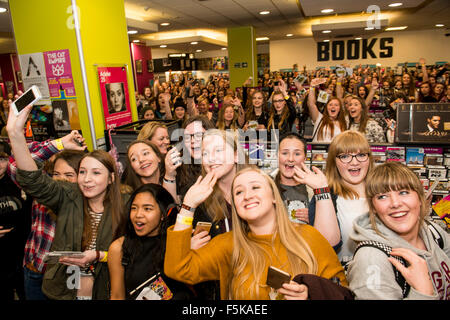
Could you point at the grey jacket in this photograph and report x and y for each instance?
(371, 275)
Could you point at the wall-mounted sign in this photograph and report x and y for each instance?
(355, 49)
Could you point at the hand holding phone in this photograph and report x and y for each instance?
(31, 96)
(202, 226)
(276, 277)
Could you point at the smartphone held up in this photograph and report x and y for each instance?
(31, 96)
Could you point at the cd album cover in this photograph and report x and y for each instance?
(423, 122)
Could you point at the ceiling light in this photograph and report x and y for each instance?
(224, 48)
(289, 35)
(327, 10)
(358, 38)
(262, 38)
(132, 32)
(264, 12)
(2, 10)
(439, 25)
(369, 28)
(164, 24)
(198, 50)
(326, 40)
(163, 46)
(395, 28)
(396, 4)
(194, 42)
(326, 31)
(136, 40)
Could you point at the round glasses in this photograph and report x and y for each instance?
(347, 158)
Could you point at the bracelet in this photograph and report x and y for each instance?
(169, 181)
(187, 221)
(105, 257)
(59, 144)
(321, 190)
(322, 196)
(186, 207)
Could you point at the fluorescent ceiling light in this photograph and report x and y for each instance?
(395, 28)
(358, 38)
(224, 48)
(164, 24)
(369, 28)
(439, 25)
(163, 46)
(264, 12)
(289, 35)
(262, 38)
(198, 50)
(194, 42)
(136, 41)
(2, 10)
(327, 10)
(396, 4)
(132, 32)
(326, 31)
(326, 40)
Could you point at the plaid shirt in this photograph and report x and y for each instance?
(42, 224)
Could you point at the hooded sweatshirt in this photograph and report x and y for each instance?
(371, 275)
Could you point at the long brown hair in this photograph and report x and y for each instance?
(221, 118)
(250, 113)
(247, 252)
(327, 122)
(284, 113)
(364, 115)
(112, 200)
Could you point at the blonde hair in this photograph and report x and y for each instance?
(247, 252)
(349, 141)
(393, 176)
(149, 129)
(216, 203)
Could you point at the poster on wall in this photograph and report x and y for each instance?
(115, 97)
(59, 73)
(34, 73)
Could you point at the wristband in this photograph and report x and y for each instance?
(59, 144)
(338, 83)
(186, 207)
(321, 190)
(286, 97)
(105, 257)
(322, 196)
(169, 181)
(187, 221)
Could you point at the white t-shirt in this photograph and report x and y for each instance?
(327, 133)
(347, 211)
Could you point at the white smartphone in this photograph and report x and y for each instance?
(31, 96)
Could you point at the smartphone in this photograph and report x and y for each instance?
(202, 226)
(276, 277)
(31, 96)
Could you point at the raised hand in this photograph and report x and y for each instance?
(74, 141)
(417, 273)
(200, 190)
(314, 179)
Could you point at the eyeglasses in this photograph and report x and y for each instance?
(197, 136)
(278, 100)
(347, 158)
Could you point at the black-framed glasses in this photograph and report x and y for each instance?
(196, 136)
(347, 158)
(278, 100)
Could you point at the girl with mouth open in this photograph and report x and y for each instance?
(359, 120)
(139, 253)
(398, 218)
(349, 160)
(261, 236)
(331, 122)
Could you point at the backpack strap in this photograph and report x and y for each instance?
(387, 250)
(436, 235)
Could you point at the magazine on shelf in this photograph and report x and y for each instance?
(395, 154)
(437, 172)
(414, 156)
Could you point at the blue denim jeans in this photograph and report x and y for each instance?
(33, 285)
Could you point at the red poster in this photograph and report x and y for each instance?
(115, 96)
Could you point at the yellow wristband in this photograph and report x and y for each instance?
(286, 97)
(187, 221)
(59, 144)
(105, 257)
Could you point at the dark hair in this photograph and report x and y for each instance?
(144, 110)
(130, 177)
(132, 245)
(72, 157)
(5, 149)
